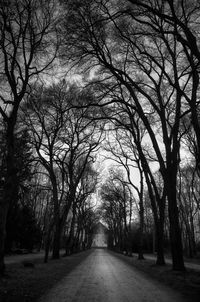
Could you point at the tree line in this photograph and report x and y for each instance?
(47, 146)
(138, 63)
(146, 59)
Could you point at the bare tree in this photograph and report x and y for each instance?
(65, 142)
(27, 30)
(188, 191)
(148, 68)
(81, 208)
(180, 19)
(124, 153)
(117, 203)
(135, 152)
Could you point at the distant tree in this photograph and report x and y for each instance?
(65, 141)
(116, 205)
(124, 153)
(189, 207)
(130, 148)
(82, 208)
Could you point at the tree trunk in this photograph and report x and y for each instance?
(47, 245)
(158, 208)
(81, 239)
(56, 241)
(3, 217)
(69, 243)
(141, 231)
(57, 225)
(159, 229)
(7, 189)
(192, 234)
(175, 232)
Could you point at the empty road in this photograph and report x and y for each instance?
(102, 277)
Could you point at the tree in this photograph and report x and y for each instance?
(134, 152)
(117, 203)
(125, 154)
(188, 189)
(181, 20)
(27, 30)
(82, 208)
(144, 65)
(65, 141)
(24, 172)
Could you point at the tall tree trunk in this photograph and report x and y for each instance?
(175, 232)
(192, 234)
(3, 217)
(56, 241)
(7, 189)
(159, 230)
(141, 230)
(70, 241)
(158, 208)
(57, 225)
(47, 244)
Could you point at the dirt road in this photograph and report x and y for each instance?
(102, 277)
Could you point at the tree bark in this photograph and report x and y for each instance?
(7, 188)
(159, 242)
(57, 228)
(47, 245)
(3, 216)
(158, 208)
(141, 231)
(175, 232)
(70, 241)
(56, 240)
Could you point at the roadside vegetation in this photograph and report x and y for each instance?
(27, 284)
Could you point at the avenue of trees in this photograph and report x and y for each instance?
(27, 35)
(136, 97)
(145, 59)
(47, 149)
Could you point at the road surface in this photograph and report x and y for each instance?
(102, 277)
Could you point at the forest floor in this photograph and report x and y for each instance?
(28, 284)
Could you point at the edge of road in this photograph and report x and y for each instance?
(195, 265)
(11, 259)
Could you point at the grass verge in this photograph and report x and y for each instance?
(187, 283)
(26, 284)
